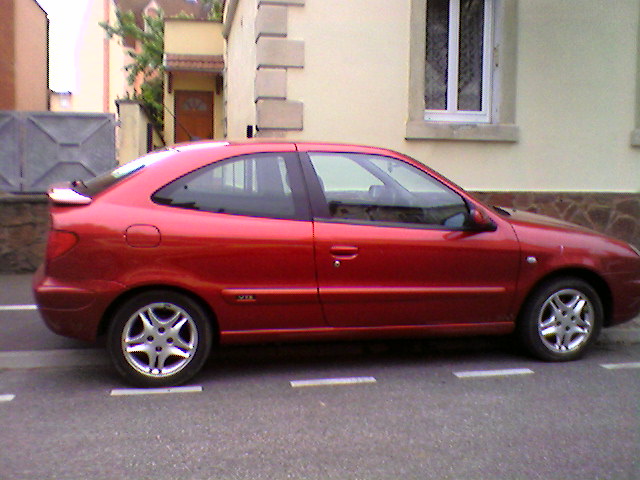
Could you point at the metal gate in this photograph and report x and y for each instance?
(38, 149)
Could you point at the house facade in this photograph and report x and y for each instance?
(101, 84)
(193, 102)
(533, 104)
(100, 61)
(194, 62)
(23, 56)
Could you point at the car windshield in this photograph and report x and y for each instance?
(100, 183)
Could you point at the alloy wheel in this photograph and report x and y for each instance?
(566, 320)
(159, 339)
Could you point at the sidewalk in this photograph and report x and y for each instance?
(626, 333)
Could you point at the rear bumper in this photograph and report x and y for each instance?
(73, 309)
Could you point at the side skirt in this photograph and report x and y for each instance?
(234, 337)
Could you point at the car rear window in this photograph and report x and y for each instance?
(98, 184)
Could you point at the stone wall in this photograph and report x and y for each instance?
(24, 219)
(24, 222)
(616, 214)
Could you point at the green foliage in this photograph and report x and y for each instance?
(214, 9)
(146, 62)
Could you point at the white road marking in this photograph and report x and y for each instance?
(119, 392)
(17, 308)
(323, 382)
(619, 366)
(493, 373)
(7, 398)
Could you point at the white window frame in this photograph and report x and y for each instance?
(452, 114)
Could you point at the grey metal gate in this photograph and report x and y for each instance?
(38, 149)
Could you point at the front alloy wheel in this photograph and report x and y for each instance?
(565, 321)
(561, 319)
(159, 339)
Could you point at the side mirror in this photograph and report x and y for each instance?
(478, 221)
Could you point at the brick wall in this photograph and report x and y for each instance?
(24, 222)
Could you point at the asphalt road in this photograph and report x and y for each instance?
(462, 409)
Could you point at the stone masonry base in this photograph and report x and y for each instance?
(615, 214)
(24, 222)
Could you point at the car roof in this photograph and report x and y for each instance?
(303, 146)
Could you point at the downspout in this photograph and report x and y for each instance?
(228, 13)
(106, 60)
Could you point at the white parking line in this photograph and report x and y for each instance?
(7, 398)
(323, 382)
(493, 373)
(17, 308)
(119, 392)
(619, 366)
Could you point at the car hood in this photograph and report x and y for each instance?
(519, 217)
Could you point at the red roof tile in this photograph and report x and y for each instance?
(193, 63)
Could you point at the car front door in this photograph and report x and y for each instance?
(242, 227)
(392, 248)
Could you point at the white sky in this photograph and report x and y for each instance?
(65, 17)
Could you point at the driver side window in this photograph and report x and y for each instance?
(384, 190)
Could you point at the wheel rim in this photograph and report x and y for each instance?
(566, 321)
(159, 340)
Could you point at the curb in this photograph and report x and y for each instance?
(617, 335)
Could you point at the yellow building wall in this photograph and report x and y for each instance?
(100, 77)
(193, 37)
(575, 104)
(240, 62)
(118, 58)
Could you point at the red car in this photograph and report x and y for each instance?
(220, 243)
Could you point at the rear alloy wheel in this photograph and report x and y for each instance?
(159, 338)
(561, 320)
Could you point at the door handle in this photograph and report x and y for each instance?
(344, 252)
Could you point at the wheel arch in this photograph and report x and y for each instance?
(124, 297)
(598, 283)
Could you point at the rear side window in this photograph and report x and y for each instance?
(254, 185)
(100, 183)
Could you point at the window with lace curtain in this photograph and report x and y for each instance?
(458, 60)
(462, 70)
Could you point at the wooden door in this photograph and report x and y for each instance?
(194, 115)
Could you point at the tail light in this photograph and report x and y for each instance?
(60, 242)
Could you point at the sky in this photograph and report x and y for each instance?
(65, 18)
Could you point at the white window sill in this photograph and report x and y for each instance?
(482, 132)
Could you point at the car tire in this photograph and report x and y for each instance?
(159, 338)
(561, 320)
